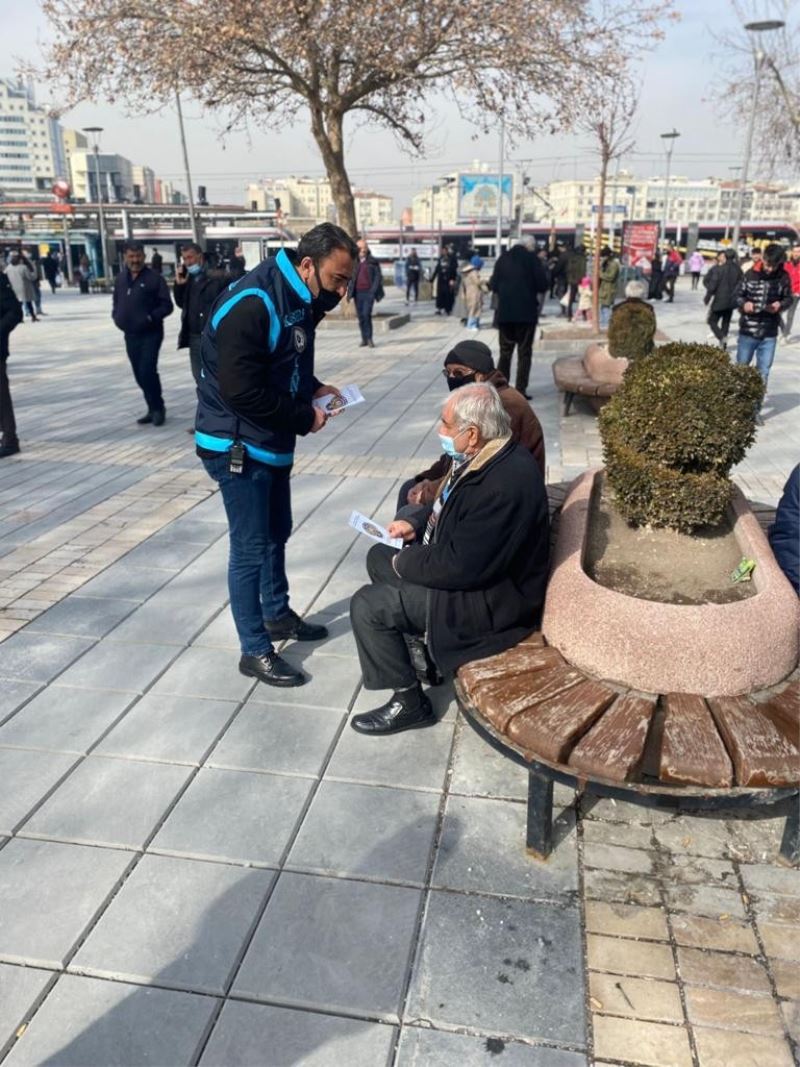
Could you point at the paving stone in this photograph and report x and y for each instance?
(83, 616)
(636, 998)
(163, 555)
(279, 738)
(653, 1044)
(698, 870)
(332, 944)
(728, 936)
(20, 989)
(332, 682)
(728, 1048)
(722, 971)
(756, 837)
(616, 858)
(478, 770)
(67, 883)
(790, 1012)
(65, 720)
(245, 1031)
(340, 641)
(234, 816)
(705, 900)
(781, 942)
(733, 1011)
(170, 728)
(609, 833)
(787, 978)
(189, 530)
(127, 668)
(775, 909)
(89, 1023)
(121, 582)
(629, 957)
(219, 633)
(177, 923)
(504, 966)
(30, 657)
(165, 619)
(482, 848)
(616, 887)
(612, 810)
(762, 879)
(13, 694)
(436, 1048)
(207, 672)
(373, 832)
(25, 778)
(625, 920)
(109, 802)
(696, 834)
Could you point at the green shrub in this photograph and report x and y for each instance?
(678, 423)
(632, 330)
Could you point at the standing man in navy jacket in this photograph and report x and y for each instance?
(255, 395)
(141, 303)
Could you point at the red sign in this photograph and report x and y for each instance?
(639, 243)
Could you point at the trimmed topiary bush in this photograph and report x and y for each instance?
(632, 330)
(678, 423)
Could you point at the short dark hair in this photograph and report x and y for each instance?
(774, 256)
(192, 246)
(133, 246)
(320, 241)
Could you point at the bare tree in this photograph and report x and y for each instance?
(267, 61)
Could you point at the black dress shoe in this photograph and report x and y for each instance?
(271, 669)
(421, 661)
(292, 627)
(363, 344)
(145, 419)
(405, 711)
(9, 448)
(159, 417)
(371, 343)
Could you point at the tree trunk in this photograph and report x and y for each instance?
(328, 133)
(598, 244)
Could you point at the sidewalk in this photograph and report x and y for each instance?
(196, 869)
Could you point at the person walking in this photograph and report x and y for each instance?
(443, 280)
(10, 318)
(517, 279)
(366, 286)
(84, 273)
(792, 267)
(50, 269)
(657, 277)
(141, 303)
(544, 259)
(473, 288)
(194, 293)
(22, 277)
(557, 263)
(607, 290)
(157, 261)
(576, 270)
(695, 264)
(761, 298)
(672, 268)
(256, 395)
(722, 285)
(413, 273)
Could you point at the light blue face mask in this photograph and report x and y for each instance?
(195, 268)
(449, 448)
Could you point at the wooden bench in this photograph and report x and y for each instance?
(572, 379)
(669, 749)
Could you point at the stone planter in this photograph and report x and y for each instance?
(603, 367)
(711, 649)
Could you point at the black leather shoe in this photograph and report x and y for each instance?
(292, 627)
(9, 448)
(145, 419)
(271, 669)
(159, 417)
(421, 661)
(405, 711)
(371, 343)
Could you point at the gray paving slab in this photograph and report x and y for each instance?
(26, 777)
(508, 967)
(332, 944)
(211, 510)
(367, 831)
(109, 802)
(163, 619)
(169, 728)
(482, 849)
(30, 657)
(478, 770)
(88, 1023)
(219, 633)
(51, 892)
(14, 694)
(20, 990)
(279, 738)
(83, 616)
(189, 530)
(164, 555)
(204, 672)
(127, 668)
(126, 583)
(436, 1048)
(177, 923)
(269, 1036)
(332, 681)
(64, 719)
(339, 642)
(236, 816)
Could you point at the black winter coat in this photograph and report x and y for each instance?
(142, 303)
(518, 277)
(722, 283)
(486, 568)
(10, 307)
(207, 288)
(761, 290)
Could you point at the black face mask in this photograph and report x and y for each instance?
(326, 300)
(456, 383)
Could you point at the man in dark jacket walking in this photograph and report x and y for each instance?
(141, 303)
(517, 279)
(194, 293)
(476, 583)
(576, 272)
(722, 284)
(10, 318)
(367, 287)
(761, 298)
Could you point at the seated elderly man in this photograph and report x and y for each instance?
(475, 585)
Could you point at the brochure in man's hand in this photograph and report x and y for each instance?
(331, 404)
(370, 528)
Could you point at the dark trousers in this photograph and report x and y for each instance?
(720, 322)
(380, 614)
(194, 355)
(412, 286)
(258, 505)
(669, 287)
(8, 425)
(521, 335)
(573, 296)
(695, 279)
(143, 349)
(789, 314)
(364, 304)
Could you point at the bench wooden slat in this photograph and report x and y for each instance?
(614, 747)
(692, 752)
(549, 729)
(504, 698)
(761, 754)
(519, 660)
(784, 711)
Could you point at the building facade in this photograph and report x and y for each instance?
(144, 183)
(310, 200)
(31, 147)
(115, 177)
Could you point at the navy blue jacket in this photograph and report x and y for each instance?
(140, 304)
(257, 376)
(784, 535)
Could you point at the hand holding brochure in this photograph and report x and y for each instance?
(371, 529)
(332, 404)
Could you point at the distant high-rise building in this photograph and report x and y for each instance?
(144, 179)
(31, 147)
(116, 177)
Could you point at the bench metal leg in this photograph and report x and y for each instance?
(568, 398)
(539, 838)
(790, 845)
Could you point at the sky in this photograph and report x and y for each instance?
(676, 78)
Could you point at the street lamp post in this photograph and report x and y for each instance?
(94, 132)
(192, 214)
(759, 57)
(499, 233)
(670, 139)
(731, 202)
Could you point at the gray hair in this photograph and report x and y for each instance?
(528, 241)
(635, 290)
(479, 405)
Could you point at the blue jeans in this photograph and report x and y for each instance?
(365, 302)
(474, 321)
(605, 315)
(763, 348)
(259, 509)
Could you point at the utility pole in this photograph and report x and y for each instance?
(94, 132)
(499, 231)
(192, 215)
(731, 201)
(670, 139)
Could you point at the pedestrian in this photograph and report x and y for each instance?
(585, 298)
(518, 278)
(255, 396)
(672, 268)
(722, 285)
(753, 261)
(84, 273)
(22, 277)
(237, 266)
(657, 277)
(366, 288)
(558, 271)
(792, 267)
(609, 277)
(157, 261)
(784, 534)
(762, 296)
(194, 293)
(545, 260)
(413, 273)
(10, 318)
(141, 303)
(473, 288)
(443, 280)
(695, 264)
(475, 584)
(576, 269)
(50, 269)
